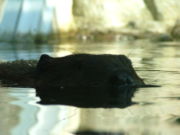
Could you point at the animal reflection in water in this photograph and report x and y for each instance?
(91, 97)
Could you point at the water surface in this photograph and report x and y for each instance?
(157, 110)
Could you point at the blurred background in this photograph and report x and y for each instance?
(44, 20)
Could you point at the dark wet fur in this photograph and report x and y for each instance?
(19, 73)
(81, 80)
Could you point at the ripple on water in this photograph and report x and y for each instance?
(157, 109)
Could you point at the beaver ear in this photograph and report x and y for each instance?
(44, 62)
(45, 57)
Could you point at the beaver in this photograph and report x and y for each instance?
(78, 79)
(86, 70)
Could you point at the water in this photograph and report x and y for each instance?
(157, 110)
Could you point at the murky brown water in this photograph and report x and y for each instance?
(157, 111)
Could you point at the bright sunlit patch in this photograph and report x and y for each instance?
(62, 13)
(110, 13)
(27, 7)
(63, 53)
(119, 13)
